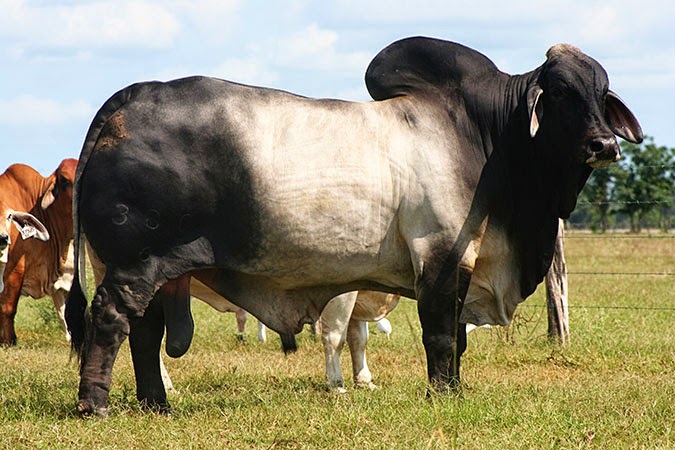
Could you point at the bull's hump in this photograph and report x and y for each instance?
(423, 66)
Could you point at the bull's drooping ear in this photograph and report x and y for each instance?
(29, 226)
(535, 107)
(621, 120)
(49, 196)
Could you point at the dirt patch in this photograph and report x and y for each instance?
(114, 131)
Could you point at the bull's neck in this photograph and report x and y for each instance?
(522, 196)
(498, 106)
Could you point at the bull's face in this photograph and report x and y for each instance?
(577, 112)
(574, 118)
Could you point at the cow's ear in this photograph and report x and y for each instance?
(621, 120)
(49, 196)
(535, 107)
(29, 226)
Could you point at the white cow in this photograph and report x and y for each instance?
(344, 319)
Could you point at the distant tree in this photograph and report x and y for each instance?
(667, 208)
(644, 182)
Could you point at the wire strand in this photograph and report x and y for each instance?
(619, 307)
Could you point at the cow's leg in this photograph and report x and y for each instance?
(240, 314)
(166, 378)
(439, 305)
(59, 299)
(8, 304)
(357, 338)
(9, 300)
(333, 342)
(145, 342)
(108, 328)
(262, 332)
(334, 323)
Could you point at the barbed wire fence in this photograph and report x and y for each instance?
(557, 303)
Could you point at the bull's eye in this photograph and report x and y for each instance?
(557, 92)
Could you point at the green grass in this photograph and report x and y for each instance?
(612, 387)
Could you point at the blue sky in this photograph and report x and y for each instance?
(60, 60)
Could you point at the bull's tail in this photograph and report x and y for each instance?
(76, 304)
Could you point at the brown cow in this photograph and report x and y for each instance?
(34, 267)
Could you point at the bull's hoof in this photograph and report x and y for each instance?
(162, 408)
(86, 408)
(445, 390)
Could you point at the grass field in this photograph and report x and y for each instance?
(613, 387)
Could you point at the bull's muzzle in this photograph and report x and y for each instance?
(603, 152)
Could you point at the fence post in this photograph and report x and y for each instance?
(556, 293)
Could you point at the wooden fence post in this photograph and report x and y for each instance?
(556, 293)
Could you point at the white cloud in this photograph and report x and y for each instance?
(213, 19)
(314, 47)
(653, 70)
(104, 23)
(27, 109)
(392, 11)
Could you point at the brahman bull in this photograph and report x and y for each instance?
(447, 189)
(36, 267)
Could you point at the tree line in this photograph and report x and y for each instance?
(636, 193)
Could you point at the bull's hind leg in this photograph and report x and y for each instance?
(439, 305)
(108, 329)
(145, 341)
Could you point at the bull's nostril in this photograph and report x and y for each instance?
(598, 145)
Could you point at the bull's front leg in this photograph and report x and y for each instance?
(440, 297)
(106, 331)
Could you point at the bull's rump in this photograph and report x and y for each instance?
(280, 185)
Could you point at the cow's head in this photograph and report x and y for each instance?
(575, 116)
(29, 227)
(60, 186)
